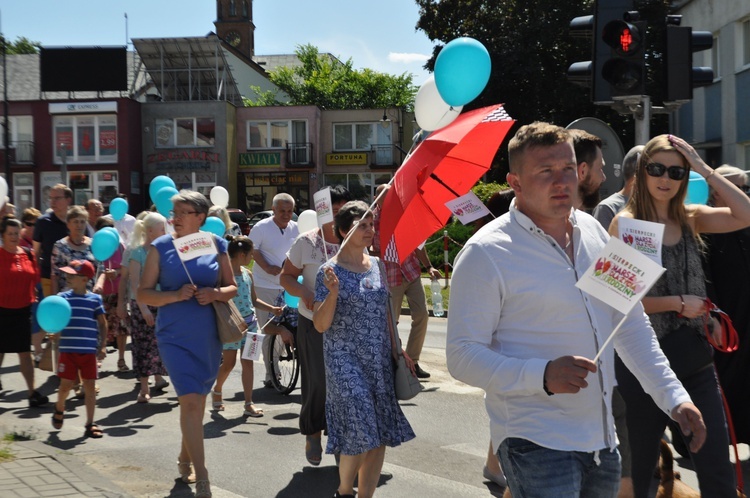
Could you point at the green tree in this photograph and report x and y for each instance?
(23, 45)
(530, 49)
(331, 84)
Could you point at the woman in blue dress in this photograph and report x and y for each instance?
(186, 324)
(351, 302)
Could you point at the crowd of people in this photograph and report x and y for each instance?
(561, 424)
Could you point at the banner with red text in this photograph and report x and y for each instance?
(195, 245)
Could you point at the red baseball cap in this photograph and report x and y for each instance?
(79, 267)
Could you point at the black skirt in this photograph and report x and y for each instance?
(15, 331)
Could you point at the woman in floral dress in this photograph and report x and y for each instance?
(351, 302)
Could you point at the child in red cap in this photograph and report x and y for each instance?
(81, 343)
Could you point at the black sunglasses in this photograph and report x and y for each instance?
(674, 172)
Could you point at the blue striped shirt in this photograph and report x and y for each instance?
(82, 332)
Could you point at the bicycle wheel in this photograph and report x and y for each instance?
(284, 365)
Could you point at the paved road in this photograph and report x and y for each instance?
(262, 457)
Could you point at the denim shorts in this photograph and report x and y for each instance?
(534, 471)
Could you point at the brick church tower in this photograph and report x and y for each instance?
(234, 25)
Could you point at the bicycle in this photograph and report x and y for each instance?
(284, 360)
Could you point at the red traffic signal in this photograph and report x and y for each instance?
(623, 37)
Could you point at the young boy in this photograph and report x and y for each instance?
(82, 342)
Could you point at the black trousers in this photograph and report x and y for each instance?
(312, 415)
(646, 424)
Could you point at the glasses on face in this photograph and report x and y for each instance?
(29, 223)
(674, 172)
(181, 214)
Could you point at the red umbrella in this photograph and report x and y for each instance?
(443, 167)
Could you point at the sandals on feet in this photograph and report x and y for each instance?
(203, 489)
(93, 430)
(57, 419)
(313, 450)
(122, 366)
(161, 385)
(251, 411)
(143, 397)
(185, 470)
(217, 405)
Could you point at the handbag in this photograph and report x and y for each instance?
(230, 324)
(405, 383)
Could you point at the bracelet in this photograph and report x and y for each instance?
(710, 174)
(682, 307)
(544, 381)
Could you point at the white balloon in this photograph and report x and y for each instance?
(430, 110)
(307, 220)
(220, 197)
(3, 191)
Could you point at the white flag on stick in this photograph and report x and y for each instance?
(467, 208)
(195, 245)
(323, 206)
(621, 276)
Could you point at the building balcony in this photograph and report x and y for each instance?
(20, 153)
(299, 154)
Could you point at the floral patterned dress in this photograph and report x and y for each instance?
(361, 406)
(63, 252)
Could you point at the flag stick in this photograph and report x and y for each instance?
(609, 339)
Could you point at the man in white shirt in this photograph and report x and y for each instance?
(519, 329)
(125, 225)
(272, 238)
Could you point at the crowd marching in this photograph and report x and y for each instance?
(561, 424)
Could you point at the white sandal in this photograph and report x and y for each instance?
(217, 405)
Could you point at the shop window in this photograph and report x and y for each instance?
(85, 138)
(185, 132)
(275, 134)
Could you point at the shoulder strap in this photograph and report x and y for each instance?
(390, 315)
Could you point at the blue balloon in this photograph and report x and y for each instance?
(118, 208)
(113, 230)
(53, 314)
(290, 300)
(159, 183)
(163, 200)
(214, 225)
(697, 191)
(462, 70)
(104, 244)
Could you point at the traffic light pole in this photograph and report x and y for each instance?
(642, 118)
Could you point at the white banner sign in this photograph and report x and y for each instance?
(467, 208)
(643, 236)
(620, 277)
(195, 245)
(323, 206)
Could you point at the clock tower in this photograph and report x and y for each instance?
(234, 25)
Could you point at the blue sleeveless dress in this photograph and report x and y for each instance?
(186, 332)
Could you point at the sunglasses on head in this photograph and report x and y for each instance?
(657, 170)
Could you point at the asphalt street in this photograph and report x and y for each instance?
(264, 457)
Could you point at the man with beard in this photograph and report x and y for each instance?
(588, 150)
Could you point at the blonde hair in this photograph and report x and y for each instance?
(143, 223)
(222, 214)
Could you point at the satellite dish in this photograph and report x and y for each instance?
(612, 152)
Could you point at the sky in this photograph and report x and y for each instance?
(377, 35)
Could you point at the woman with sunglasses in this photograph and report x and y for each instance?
(676, 305)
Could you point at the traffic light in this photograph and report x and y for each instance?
(619, 51)
(681, 77)
(618, 64)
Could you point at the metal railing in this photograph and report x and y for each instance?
(382, 155)
(21, 152)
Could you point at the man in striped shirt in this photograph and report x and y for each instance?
(82, 342)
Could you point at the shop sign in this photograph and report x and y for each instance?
(188, 159)
(347, 158)
(258, 159)
(82, 107)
